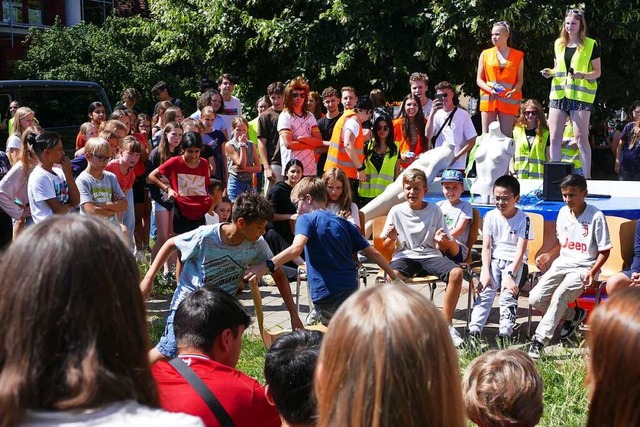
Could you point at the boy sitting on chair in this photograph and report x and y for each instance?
(457, 214)
(418, 232)
(584, 244)
(505, 234)
(329, 242)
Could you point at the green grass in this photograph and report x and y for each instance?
(564, 390)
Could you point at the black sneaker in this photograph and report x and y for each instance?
(535, 349)
(503, 341)
(570, 327)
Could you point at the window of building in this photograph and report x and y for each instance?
(96, 11)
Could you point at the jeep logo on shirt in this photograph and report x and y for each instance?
(578, 246)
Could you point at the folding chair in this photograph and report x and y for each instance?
(269, 336)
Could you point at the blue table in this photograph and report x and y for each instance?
(625, 207)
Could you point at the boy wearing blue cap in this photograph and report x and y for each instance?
(457, 215)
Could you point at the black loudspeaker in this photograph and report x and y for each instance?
(553, 174)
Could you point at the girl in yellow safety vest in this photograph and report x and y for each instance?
(574, 85)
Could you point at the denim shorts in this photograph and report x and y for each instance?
(167, 345)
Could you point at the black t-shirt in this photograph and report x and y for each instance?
(570, 51)
(280, 198)
(531, 135)
(153, 163)
(326, 126)
(268, 129)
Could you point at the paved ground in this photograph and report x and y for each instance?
(276, 316)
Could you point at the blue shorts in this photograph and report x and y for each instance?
(167, 345)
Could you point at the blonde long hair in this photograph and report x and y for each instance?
(345, 200)
(542, 120)
(564, 36)
(388, 360)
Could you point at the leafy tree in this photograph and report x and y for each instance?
(357, 42)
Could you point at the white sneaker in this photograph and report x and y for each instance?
(455, 337)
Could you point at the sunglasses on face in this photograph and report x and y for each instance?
(383, 128)
(530, 113)
(296, 95)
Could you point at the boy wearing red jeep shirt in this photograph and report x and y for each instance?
(584, 244)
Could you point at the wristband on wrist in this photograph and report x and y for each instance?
(361, 168)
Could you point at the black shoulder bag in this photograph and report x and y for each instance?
(446, 122)
(201, 388)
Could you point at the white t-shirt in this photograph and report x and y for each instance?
(506, 232)
(232, 109)
(453, 215)
(42, 186)
(211, 219)
(353, 219)
(460, 130)
(105, 190)
(120, 414)
(299, 127)
(426, 108)
(352, 126)
(416, 230)
(12, 142)
(581, 238)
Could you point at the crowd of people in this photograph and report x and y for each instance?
(230, 201)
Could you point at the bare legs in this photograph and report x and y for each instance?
(580, 122)
(164, 224)
(506, 122)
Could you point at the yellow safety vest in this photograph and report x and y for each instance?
(376, 182)
(570, 154)
(529, 161)
(563, 85)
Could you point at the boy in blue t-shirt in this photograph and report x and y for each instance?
(217, 256)
(329, 243)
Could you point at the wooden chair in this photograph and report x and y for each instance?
(533, 247)
(621, 232)
(269, 336)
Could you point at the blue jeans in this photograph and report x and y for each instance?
(236, 188)
(167, 345)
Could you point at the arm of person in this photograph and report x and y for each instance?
(157, 179)
(287, 139)
(460, 227)
(377, 257)
(480, 76)
(443, 242)
(352, 152)
(103, 209)
(589, 280)
(543, 259)
(485, 271)
(239, 158)
(284, 217)
(514, 267)
(313, 141)
(591, 75)
(464, 150)
(146, 285)
(428, 129)
(618, 156)
(257, 167)
(285, 292)
(293, 251)
(262, 148)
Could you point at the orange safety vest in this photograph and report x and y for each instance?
(337, 156)
(405, 144)
(506, 77)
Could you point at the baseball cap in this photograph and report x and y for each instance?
(452, 175)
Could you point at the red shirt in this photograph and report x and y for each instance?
(240, 395)
(191, 184)
(140, 167)
(125, 181)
